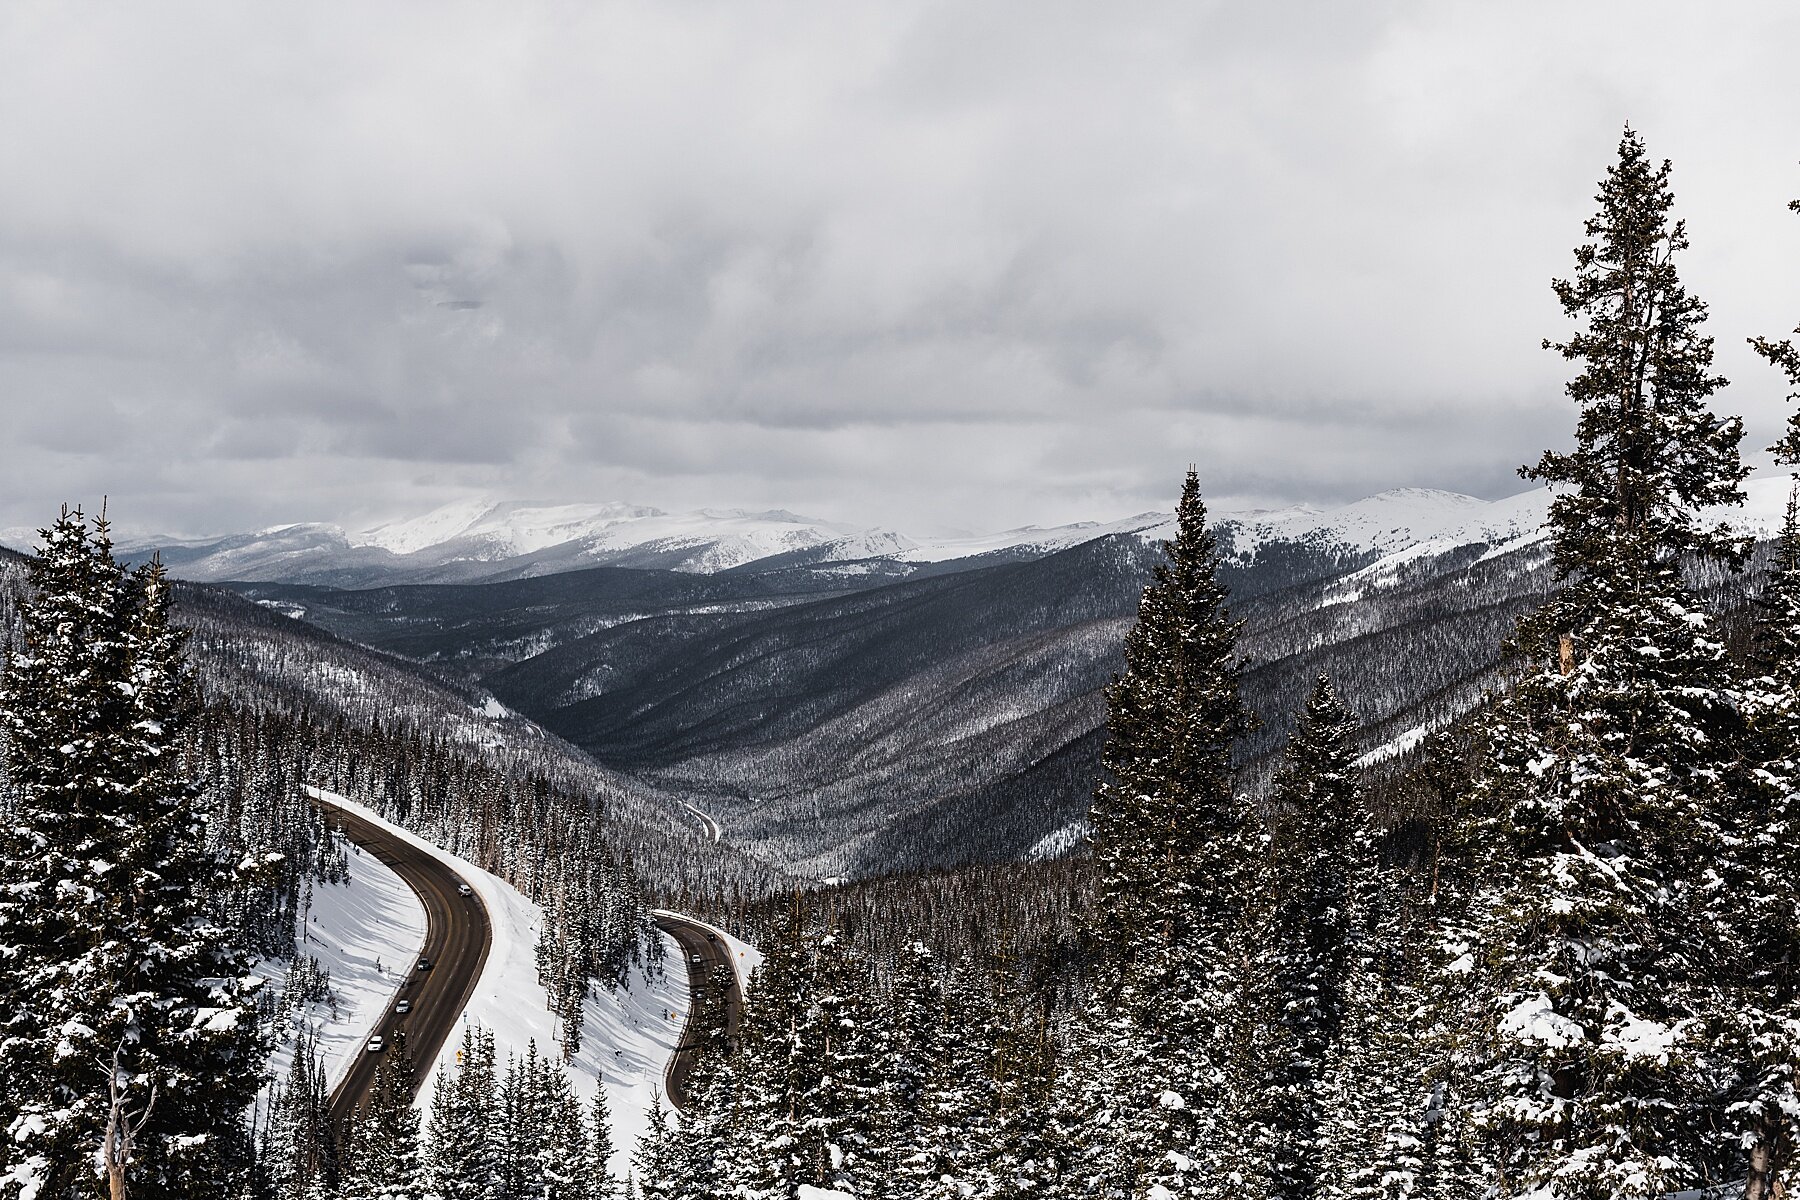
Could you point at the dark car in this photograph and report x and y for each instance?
(424, 964)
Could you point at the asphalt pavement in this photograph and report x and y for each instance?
(704, 955)
(457, 938)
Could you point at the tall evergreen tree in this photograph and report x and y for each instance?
(387, 1164)
(602, 1183)
(1172, 846)
(1301, 937)
(130, 1046)
(1757, 902)
(654, 1162)
(1606, 763)
(465, 1134)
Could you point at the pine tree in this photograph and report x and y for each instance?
(295, 1138)
(654, 1161)
(841, 1082)
(1605, 764)
(1172, 845)
(602, 1184)
(465, 1129)
(1649, 452)
(387, 1164)
(915, 1051)
(1301, 939)
(1756, 904)
(129, 1038)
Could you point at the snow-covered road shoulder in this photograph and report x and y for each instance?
(627, 1036)
(365, 934)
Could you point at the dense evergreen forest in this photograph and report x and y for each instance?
(1546, 952)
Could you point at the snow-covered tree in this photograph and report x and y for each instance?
(386, 1163)
(464, 1149)
(1173, 853)
(1755, 901)
(129, 1048)
(1299, 938)
(1606, 763)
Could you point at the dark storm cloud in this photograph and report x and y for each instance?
(917, 264)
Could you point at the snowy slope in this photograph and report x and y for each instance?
(478, 539)
(627, 1037)
(1035, 539)
(1397, 521)
(717, 539)
(365, 933)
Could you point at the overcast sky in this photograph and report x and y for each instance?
(920, 265)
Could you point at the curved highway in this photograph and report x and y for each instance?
(457, 938)
(705, 952)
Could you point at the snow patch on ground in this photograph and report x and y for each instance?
(1395, 746)
(627, 1037)
(1057, 842)
(365, 933)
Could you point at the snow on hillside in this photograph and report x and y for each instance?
(627, 1037)
(536, 538)
(1397, 521)
(1032, 538)
(365, 933)
(502, 530)
(714, 539)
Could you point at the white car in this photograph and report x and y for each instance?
(377, 1044)
(403, 1007)
(463, 889)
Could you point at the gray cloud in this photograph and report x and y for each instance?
(919, 264)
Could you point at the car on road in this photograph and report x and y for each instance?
(404, 1006)
(424, 964)
(377, 1044)
(693, 958)
(463, 889)
(712, 937)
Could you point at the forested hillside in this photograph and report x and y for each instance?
(934, 720)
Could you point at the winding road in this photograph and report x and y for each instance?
(705, 953)
(457, 939)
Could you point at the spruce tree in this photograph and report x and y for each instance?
(387, 1164)
(130, 1046)
(1756, 907)
(654, 1162)
(602, 1184)
(1605, 764)
(1300, 939)
(1172, 845)
(465, 1128)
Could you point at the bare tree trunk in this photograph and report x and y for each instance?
(1759, 1185)
(121, 1129)
(1763, 1181)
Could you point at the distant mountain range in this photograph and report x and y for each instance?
(486, 541)
(846, 702)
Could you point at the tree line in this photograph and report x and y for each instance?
(1573, 979)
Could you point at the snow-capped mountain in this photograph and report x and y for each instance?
(705, 540)
(491, 540)
(1397, 520)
